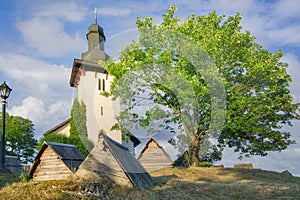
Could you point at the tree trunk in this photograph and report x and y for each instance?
(194, 153)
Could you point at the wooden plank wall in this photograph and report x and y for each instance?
(51, 167)
(101, 162)
(155, 158)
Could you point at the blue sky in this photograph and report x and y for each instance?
(40, 38)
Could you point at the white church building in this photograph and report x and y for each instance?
(90, 79)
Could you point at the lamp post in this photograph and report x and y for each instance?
(4, 93)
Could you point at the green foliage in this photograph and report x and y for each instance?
(24, 177)
(167, 62)
(78, 131)
(20, 141)
(53, 137)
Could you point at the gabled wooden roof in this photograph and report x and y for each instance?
(146, 146)
(67, 153)
(134, 170)
(111, 159)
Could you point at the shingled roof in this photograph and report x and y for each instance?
(111, 159)
(13, 164)
(55, 155)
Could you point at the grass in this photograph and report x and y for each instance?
(6, 179)
(175, 183)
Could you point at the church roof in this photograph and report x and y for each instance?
(80, 66)
(57, 127)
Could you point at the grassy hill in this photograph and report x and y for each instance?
(191, 183)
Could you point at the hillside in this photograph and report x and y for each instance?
(191, 183)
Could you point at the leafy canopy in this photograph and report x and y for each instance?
(20, 141)
(208, 76)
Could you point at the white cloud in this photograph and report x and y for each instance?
(61, 9)
(47, 36)
(40, 91)
(40, 78)
(286, 9)
(232, 6)
(113, 11)
(294, 71)
(31, 108)
(43, 116)
(288, 35)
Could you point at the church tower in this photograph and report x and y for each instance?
(90, 79)
(96, 39)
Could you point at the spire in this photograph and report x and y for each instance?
(95, 15)
(96, 39)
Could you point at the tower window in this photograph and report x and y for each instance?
(99, 84)
(101, 110)
(103, 85)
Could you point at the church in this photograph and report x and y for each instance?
(90, 79)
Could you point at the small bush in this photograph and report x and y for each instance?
(24, 177)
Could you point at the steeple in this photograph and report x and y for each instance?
(96, 39)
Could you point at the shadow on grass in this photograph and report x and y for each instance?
(162, 180)
(8, 178)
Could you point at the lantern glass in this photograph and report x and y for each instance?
(4, 90)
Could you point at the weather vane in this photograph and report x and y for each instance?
(95, 15)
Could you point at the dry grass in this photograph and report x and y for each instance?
(191, 183)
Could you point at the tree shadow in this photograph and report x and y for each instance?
(162, 180)
(7, 178)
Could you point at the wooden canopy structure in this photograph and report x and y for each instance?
(154, 157)
(110, 159)
(56, 161)
(13, 164)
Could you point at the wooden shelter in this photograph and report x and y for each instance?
(13, 164)
(154, 157)
(56, 161)
(110, 159)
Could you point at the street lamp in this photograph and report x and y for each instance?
(4, 93)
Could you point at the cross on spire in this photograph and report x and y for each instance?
(95, 15)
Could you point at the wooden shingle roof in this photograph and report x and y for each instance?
(138, 176)
(13, 164)
(67, 153)
(111, 159)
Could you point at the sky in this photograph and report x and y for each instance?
(40, 38)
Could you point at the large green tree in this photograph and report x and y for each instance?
(20, 141)
(209, 77)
